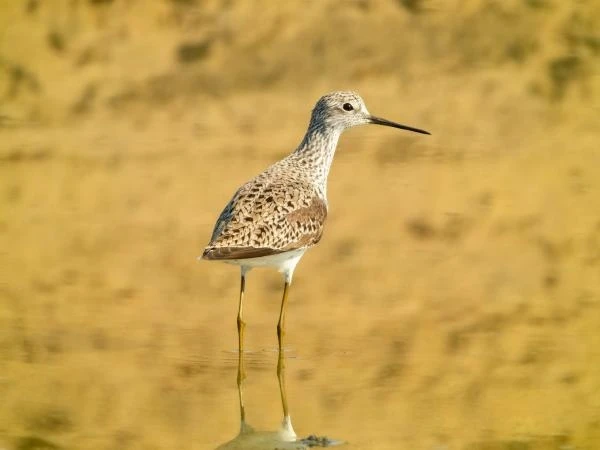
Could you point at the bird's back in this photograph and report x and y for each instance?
(277, 211)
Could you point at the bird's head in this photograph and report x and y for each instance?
(344, 109)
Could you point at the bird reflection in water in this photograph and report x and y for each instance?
(282, 439)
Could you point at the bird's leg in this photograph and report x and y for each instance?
(241, 376)
(281, 323)
(241, 325)
(281, 377)
(281, 358)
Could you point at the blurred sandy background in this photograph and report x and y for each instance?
(454, 301)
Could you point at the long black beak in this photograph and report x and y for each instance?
(389, 123)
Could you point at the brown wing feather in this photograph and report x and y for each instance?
(224, 253)
(309, 221)
(267, 218)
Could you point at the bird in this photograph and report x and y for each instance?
(275, 217)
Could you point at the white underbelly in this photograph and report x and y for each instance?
(283, 262)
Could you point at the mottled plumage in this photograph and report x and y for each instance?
(273, 218)
(285, 207)
(268, 216)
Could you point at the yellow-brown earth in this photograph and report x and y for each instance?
(454, 301)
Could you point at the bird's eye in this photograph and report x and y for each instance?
(347, 107)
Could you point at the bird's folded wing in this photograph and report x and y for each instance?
(224, 253)
(266, 221)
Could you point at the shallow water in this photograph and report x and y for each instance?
(367, 393)
(472, 330)
(113, 336)
(453, 302)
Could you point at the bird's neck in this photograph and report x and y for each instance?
(315, 153)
